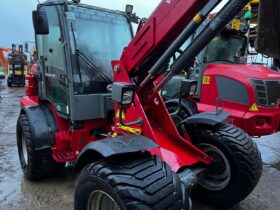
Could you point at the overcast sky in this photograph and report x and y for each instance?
(16, 21)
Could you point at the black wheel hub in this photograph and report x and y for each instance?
(218, 174)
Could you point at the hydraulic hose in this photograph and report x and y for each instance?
(181, 39)
(227, 13)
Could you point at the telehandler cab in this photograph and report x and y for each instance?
(114, 124)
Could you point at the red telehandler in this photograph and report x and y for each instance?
(114, 123)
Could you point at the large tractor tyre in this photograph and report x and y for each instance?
(237, 165)
(36, 164)
(187, 109)
(128, 184)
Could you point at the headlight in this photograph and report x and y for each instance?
(188, 87)
(193, 89)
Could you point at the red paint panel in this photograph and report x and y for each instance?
(159, 127)
(29, 101)
(240, 114)
(163, 26)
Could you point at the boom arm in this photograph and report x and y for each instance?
(170, 25)
(162, 27)
(144, 62)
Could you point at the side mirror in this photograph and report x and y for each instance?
(40, 22)
(129, 9)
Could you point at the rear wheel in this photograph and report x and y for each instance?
(131, 183)
(36, 164)
(237, 165)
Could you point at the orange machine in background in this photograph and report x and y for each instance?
(3, 59)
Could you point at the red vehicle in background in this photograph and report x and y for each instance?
(222, 79)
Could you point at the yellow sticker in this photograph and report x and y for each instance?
(118, 114)
(235, 24)
(206, 80)
(197, 19)
(135, 131)
(254, 108)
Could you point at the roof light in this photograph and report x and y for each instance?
(76, 1)
(129, 9)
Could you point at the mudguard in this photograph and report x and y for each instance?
(43, 125)
(207, 118)
(113, 146)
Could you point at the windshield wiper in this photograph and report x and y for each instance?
(93, 67)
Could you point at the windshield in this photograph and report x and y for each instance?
(100, 36)
(226, 48)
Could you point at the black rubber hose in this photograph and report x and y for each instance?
(229, 11)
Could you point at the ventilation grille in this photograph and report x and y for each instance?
(268, 92)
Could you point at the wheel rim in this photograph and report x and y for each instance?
(218, 175)
(99, 200)
(24, 150)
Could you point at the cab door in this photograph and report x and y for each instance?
(54, 85)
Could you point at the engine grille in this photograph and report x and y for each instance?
(268, 92)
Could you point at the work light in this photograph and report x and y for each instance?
(129, 9)
(76, 1)
(188, 87)
(123, 93)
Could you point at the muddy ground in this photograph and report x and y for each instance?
(57, 192)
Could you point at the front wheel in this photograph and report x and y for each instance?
(139, 182)
(36, 164)
(236, 168)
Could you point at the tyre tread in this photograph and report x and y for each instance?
(249, 158)
(145, 180)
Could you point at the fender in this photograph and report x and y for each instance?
(112, 146)
(43, 125)
(207, 118)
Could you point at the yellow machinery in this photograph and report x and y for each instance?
(17, 66)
